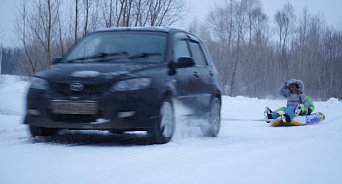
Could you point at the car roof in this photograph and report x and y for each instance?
(153, 29)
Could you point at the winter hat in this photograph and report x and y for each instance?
(299, 83)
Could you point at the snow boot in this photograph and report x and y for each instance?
(298, 109)
(285, 118)
(267, 112)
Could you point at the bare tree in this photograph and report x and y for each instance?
(36, 30)
(77, 4)
(108, 12)
(285, 19)
(221, 21)
(87, 6)
(260, 27)
(28, 64)
(166, 12)
(242, 27)
(42, 24)
(332, 53)
(143, 12)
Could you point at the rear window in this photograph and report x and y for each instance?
(197, 53)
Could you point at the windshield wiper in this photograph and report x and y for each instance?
(97, 56)
(144, 55)
(109, 56)
(104, 55)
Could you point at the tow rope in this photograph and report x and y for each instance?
(233, 119)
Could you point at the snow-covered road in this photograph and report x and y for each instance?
(244, 151)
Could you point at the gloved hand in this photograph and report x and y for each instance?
(305, 112)
(283, 86)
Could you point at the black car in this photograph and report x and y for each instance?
(126, 79)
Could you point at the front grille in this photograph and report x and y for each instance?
(88, 89)
(74, 118)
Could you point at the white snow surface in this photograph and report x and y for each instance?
(244, 152)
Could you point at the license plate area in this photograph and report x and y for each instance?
(67, 107)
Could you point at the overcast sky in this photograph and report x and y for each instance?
(331, 9)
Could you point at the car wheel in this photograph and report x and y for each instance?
(214, 121)
(40, 131)
(165, 126)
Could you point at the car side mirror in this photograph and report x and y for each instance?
(57, 60)
(185, 62)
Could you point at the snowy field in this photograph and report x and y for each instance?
(245, 151)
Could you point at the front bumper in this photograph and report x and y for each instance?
(135, 110)
(99, 124)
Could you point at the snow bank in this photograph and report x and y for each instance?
(245, 151)
(13, 91)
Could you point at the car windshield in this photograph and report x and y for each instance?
(120, 47)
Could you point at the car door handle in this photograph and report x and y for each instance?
(196, 74)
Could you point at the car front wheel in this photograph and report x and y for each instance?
(40, 131)
(165, 127)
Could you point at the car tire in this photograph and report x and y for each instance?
(165, 126)
(40, 131)
(214, 120)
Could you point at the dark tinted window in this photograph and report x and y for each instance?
(181, 48)
(197, 53)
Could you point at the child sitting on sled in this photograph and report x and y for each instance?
(296, 99)
(299, 110)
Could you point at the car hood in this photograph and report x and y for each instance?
(95, 71)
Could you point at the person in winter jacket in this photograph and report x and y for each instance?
(293, 91)
(301, 112)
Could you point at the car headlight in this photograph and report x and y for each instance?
(39, 83)
(131, 84)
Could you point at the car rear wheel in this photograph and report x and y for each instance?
(165, 127)
(214, 121)
(40, 131)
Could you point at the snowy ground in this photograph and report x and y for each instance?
(244, 152)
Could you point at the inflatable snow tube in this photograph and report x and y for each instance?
(313, 118)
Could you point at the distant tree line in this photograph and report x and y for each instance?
(253, 53)
(253, 59)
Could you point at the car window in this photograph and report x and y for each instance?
(181, 48)
(197, 53)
